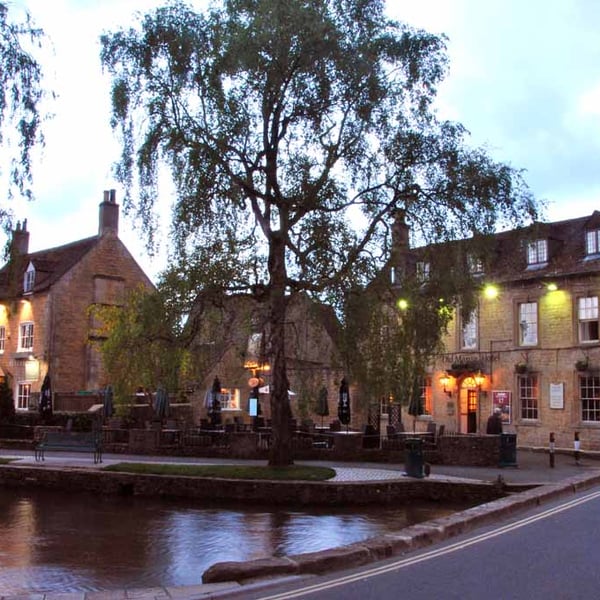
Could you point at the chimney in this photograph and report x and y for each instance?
(109, 214)
(19, 244)
(400, 250)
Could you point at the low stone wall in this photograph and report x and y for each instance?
(289, 493)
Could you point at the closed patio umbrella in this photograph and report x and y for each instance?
(46, 398)
(215, 405)
(107, 402)
(344, 404)
(161, 403)
(322, 404)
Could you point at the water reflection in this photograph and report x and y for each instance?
(52, 541)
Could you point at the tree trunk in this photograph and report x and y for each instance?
(281, 449)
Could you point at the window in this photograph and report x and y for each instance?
(589, 394)
(29, 278)
(426, 395)
(592, 242)
(528, 396)
(468, 334)
(587, 315)
(475, 265)
(537, 252)
(23, 394)
(25, 337)
(423, 271)
(230, 399)
(528, 324)
(2, 338)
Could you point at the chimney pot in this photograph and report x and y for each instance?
(109, 213)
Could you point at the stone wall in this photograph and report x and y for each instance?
(272, 492)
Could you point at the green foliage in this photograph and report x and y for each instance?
(21, 93)
(294, 131)
(140, 345)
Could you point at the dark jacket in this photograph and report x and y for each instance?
(494, 424)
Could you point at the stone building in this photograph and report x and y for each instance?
(45, 301)
(532, 344)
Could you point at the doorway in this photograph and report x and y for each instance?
(468, 410)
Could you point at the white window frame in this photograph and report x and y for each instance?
(2, 338)
(592, 242)
(537, 252)
(474, 264)
(587, 320)
(29, 279)
(26, 336)
(230, 399)
(528, 323)
(423, 271)
(23, 395)
(469, 332)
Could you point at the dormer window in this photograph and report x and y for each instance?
(29, 279)
(423, 269)
(537, 252)
(592, 242)
(474, 264)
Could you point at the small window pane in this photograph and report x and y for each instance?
(528, 333)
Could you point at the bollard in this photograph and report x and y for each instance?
(551, 450)
(576, 447)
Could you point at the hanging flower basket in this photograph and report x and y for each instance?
(521, 368)
(582, 365)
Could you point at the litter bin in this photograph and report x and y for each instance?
(413, 457)
(508, 450)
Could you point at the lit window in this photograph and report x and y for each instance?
(537, 252)
(23, 394)
(468, 337)
(423, 271)
(2, 338)
(587, 314)
(25, 337)
(589, 394)
(426, 395)
(592, 242)
(528, 324)
(230, 399)
(528, 396)
(29, 278)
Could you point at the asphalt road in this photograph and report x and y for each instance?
(550, 552)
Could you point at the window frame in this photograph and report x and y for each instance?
(229, 399)
(592, 242)
(528, 391)
(423, 271)
(473, 323)
(23, 395)
(523, 324)
(25, 336)
(587, 318)
(537, 252)
(590, 401)
(29, 279)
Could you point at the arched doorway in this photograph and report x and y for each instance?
(468, 406)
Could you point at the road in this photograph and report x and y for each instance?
(551, 552)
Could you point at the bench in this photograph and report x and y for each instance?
(75, 441)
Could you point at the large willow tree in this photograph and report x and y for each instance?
(21, 92)
(293, 130)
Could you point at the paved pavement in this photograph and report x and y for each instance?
(533, 467)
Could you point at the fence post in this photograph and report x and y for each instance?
(576, 447)
(551, 449)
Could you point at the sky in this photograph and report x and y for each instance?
(524, 79)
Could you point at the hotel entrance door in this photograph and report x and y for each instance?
(468, 410)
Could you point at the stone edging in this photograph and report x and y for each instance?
(395, 544)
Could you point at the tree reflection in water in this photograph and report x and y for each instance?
(54, 541)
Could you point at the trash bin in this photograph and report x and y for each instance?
(413, 457)
(370, 437)
(508, 450)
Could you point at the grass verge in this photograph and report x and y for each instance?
(289, 473)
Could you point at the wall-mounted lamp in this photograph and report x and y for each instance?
(552, 287)
(490, 291)
(445, 380)
(479, 379)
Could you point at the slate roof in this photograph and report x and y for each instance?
(50, 265)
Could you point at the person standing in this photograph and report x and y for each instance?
(494, 423)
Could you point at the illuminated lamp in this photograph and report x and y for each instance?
(445, 381)
(490, 291)
(253, 382)
(552, 287)
(402, 304)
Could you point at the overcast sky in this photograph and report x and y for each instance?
(524, 79)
